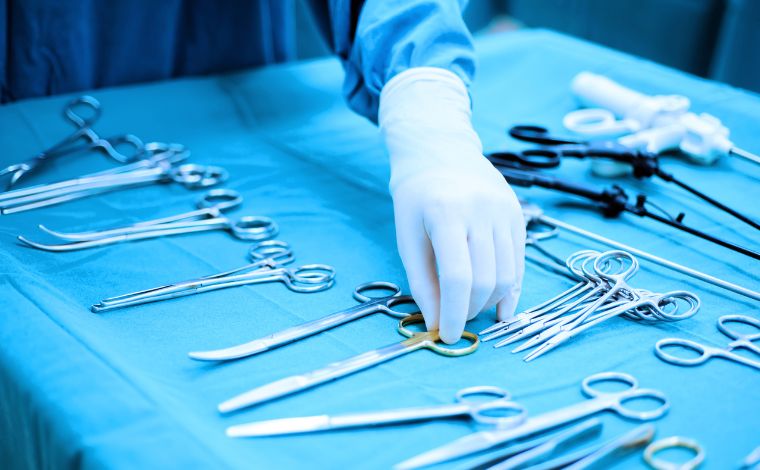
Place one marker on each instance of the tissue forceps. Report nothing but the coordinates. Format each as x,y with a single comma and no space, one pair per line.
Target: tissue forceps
157,169
597,402
207,217
465,405
70,145
289,385
740,341
269,258
368,305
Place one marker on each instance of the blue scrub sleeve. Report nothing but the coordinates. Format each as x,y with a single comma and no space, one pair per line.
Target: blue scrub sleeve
377,39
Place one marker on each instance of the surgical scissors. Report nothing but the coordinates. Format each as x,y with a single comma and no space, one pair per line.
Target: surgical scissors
207,217
368,305
498,411
740,341
68,145
598,401
268,259
159,168
586,457
415,341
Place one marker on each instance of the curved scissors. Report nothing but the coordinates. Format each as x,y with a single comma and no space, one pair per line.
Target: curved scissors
68,145
740,341
497,410
207,217
598,401
415,341
368,305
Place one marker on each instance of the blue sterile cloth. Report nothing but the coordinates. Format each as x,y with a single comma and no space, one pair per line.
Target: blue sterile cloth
117,389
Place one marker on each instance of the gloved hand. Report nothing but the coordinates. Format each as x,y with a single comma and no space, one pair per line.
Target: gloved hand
459,226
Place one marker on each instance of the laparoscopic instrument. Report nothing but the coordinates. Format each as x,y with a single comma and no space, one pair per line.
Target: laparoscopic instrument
612,202
83,139
415,341
535,215
207,217
644,164
368,305
160,167
656,123
603,294
598,402
705,353
483,404
268,265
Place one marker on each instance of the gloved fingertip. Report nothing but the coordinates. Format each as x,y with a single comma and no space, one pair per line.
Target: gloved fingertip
507,306
431,321
449,337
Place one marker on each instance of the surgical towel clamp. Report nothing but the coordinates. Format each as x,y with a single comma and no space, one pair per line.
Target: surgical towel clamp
269,258
207,217
68,145
466,405
289,385
743,341
367,306
598,401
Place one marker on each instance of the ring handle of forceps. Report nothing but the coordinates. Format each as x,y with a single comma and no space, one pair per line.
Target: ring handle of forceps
254,227
501,402
656,310
82,122
275,250
625,271
669,443
540,158
705,352
632,392
221,199
433,342
194,176
310,278
109,146
385,302
743,319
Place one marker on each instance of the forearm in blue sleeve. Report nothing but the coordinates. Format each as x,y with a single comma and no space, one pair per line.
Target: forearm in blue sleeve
377,39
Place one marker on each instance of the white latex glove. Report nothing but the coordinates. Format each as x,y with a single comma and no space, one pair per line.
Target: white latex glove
459,226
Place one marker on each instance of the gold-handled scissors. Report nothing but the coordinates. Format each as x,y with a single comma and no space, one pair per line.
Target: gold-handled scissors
415,340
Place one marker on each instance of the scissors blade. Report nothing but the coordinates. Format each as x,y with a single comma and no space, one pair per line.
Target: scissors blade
278,427
332,371
461,447
285,336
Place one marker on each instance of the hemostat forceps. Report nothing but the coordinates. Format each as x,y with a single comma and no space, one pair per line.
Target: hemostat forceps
160,168
71,143
268,259
207,217
367,306
602,295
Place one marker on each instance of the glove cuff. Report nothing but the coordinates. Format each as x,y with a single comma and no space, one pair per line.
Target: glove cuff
424,116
